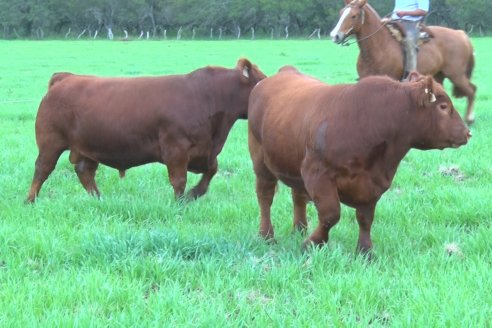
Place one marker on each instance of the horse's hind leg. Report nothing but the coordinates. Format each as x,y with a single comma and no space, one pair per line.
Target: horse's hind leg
86,171
49,152
464,88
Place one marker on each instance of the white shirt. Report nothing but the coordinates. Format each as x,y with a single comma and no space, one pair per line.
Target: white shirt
408,5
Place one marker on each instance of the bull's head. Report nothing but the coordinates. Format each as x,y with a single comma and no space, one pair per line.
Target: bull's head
351,19
441,124
250,72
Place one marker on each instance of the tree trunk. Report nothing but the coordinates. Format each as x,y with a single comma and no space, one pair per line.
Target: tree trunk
110,34
82,33
252,33
178,36
68,32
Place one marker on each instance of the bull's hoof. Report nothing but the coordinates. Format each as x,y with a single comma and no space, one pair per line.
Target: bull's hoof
366,253
300,228
29,201
308,244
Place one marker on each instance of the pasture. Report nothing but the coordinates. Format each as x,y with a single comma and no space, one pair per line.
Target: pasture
138,258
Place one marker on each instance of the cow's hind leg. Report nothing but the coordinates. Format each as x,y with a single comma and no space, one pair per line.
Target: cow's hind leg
201,188
49,153
300,199
86,171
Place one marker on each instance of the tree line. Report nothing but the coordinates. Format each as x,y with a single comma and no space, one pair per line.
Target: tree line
214,19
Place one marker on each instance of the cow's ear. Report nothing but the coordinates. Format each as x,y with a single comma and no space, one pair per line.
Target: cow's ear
244,66
348,1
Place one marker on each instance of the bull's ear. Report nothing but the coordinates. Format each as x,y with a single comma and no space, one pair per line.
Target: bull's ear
348,1
244,66
425,91
413,76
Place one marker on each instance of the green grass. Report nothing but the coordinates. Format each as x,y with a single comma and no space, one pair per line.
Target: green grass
137,258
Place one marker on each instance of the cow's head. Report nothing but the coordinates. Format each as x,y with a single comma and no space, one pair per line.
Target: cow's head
441,125
350,21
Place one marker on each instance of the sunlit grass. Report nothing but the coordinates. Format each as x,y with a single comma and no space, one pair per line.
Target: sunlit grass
137,258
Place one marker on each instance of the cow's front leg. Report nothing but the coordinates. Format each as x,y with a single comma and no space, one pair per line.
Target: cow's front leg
365,217
177,169
323,191
201,188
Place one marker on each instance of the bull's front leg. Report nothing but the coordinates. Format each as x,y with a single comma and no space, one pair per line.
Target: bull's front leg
201,188
365,217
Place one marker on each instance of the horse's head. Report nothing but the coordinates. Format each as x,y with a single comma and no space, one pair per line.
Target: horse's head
350,22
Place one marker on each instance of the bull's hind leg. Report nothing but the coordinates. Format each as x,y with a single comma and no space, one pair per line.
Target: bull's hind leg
86,171
49,152
323,191
464,88
365,217
177,168
300,199
201,188
266,184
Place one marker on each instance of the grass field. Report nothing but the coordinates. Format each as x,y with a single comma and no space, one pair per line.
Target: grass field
137,258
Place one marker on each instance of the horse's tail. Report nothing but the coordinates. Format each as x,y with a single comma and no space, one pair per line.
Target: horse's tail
457,92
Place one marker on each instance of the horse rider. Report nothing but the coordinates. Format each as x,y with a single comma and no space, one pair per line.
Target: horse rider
410,13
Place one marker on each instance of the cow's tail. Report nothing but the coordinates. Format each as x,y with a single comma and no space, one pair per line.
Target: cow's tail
57,77
470,65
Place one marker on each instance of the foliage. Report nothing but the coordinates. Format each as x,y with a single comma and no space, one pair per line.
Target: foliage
235,18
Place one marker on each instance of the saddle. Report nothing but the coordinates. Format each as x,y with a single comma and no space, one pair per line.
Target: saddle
398,32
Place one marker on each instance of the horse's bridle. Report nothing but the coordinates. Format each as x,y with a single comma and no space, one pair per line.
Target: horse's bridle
346,43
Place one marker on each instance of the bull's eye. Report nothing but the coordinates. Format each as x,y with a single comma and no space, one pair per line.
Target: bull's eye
444,107
354,16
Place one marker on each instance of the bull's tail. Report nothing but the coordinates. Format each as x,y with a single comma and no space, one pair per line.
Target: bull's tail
57,77
457,91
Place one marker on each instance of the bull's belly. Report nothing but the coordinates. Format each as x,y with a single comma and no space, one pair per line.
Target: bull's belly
287,173
120,158
360,190
126,160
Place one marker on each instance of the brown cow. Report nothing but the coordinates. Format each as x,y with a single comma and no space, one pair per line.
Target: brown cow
180,120
342,143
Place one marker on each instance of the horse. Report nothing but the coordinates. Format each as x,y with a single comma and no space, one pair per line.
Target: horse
448,53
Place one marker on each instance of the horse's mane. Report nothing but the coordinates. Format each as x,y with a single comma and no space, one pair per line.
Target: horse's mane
373,11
